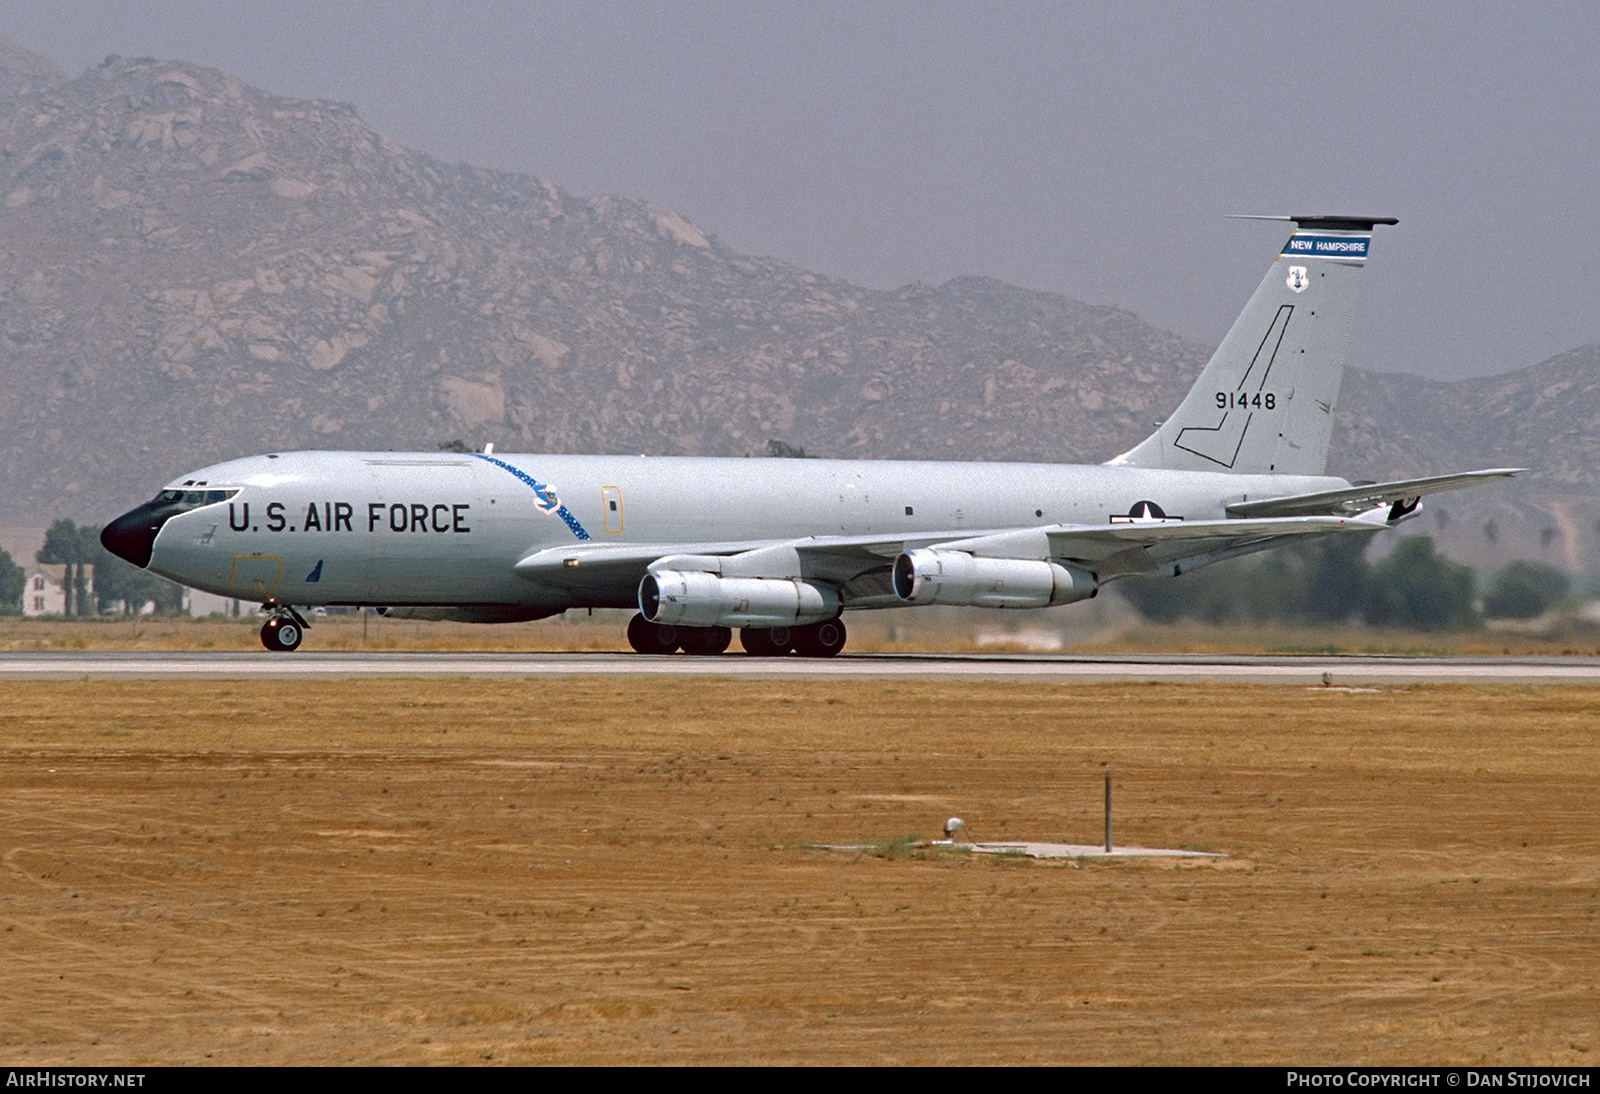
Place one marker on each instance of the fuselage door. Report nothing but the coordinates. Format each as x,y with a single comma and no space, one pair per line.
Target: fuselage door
256,575
611,503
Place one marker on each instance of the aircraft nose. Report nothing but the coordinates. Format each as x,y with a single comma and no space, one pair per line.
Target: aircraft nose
132,536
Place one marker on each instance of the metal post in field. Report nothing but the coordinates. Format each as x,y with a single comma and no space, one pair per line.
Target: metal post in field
1108,812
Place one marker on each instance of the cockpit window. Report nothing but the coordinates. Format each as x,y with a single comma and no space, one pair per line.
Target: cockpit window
184,500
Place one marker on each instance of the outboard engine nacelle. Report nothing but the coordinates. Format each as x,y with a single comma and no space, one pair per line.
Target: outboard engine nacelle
687,598
930,576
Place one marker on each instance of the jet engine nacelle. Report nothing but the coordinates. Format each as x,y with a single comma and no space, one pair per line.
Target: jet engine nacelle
954,577
693,599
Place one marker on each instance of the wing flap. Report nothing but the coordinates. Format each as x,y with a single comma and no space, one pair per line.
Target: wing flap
1088,544
1146,546
1181,546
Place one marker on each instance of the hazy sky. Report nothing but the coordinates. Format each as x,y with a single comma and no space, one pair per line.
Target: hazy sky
1088,149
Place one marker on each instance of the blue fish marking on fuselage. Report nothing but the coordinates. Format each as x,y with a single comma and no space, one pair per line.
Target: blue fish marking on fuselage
548,502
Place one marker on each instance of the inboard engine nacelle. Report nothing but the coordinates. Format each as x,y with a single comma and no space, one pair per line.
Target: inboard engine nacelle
695,599
954,577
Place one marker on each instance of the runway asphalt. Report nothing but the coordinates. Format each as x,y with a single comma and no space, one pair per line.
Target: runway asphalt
1304,670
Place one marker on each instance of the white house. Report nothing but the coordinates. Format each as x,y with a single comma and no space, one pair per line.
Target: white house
44,590
198,604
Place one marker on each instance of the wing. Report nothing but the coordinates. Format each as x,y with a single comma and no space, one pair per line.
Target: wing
860,568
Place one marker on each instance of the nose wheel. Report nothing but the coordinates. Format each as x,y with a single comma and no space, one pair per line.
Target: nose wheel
282,633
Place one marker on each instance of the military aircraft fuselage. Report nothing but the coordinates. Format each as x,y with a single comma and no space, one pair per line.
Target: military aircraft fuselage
448,530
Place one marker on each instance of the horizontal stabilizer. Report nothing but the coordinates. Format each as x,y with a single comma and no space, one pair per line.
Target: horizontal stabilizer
1324,222
1357,499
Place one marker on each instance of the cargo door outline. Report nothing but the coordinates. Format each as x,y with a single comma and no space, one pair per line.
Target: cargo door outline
257,574
1221,443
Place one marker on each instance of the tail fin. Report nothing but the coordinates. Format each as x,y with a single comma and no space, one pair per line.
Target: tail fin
1264,404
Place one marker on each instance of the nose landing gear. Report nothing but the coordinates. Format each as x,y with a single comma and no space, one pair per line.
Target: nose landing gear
284,630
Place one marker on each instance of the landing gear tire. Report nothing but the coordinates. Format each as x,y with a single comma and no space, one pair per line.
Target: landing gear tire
281,635
705,641
284,627
647,637
766,641
823,639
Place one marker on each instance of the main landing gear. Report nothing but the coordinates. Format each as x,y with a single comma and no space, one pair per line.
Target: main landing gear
823,639
647,637
284,630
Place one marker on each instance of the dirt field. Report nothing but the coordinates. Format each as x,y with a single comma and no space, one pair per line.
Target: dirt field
625,871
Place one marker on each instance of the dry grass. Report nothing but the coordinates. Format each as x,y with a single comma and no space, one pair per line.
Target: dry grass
620,870
926,630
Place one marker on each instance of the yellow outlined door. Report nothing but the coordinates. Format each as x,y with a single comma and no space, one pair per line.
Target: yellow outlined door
611,503
257,574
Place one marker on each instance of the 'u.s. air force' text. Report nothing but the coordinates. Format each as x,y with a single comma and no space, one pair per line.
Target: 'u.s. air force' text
339,516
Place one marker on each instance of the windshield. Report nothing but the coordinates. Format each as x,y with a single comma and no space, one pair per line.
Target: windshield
191,499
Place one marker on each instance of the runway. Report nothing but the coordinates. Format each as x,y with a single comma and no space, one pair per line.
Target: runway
1302,670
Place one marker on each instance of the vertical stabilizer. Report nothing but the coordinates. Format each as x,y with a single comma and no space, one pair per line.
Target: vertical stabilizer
1265,402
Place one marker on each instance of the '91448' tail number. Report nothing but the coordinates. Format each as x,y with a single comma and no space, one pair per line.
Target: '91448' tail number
1247,400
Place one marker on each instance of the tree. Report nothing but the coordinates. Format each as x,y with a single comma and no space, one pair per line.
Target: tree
12,583
66,545
119,583
116,582
1524,590
1420,589
1323,581
1338,578
1158,599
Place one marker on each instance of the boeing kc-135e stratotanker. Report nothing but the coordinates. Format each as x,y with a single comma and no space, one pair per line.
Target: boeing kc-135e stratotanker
781,548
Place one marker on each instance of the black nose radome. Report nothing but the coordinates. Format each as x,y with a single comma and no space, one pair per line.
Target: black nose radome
133,535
